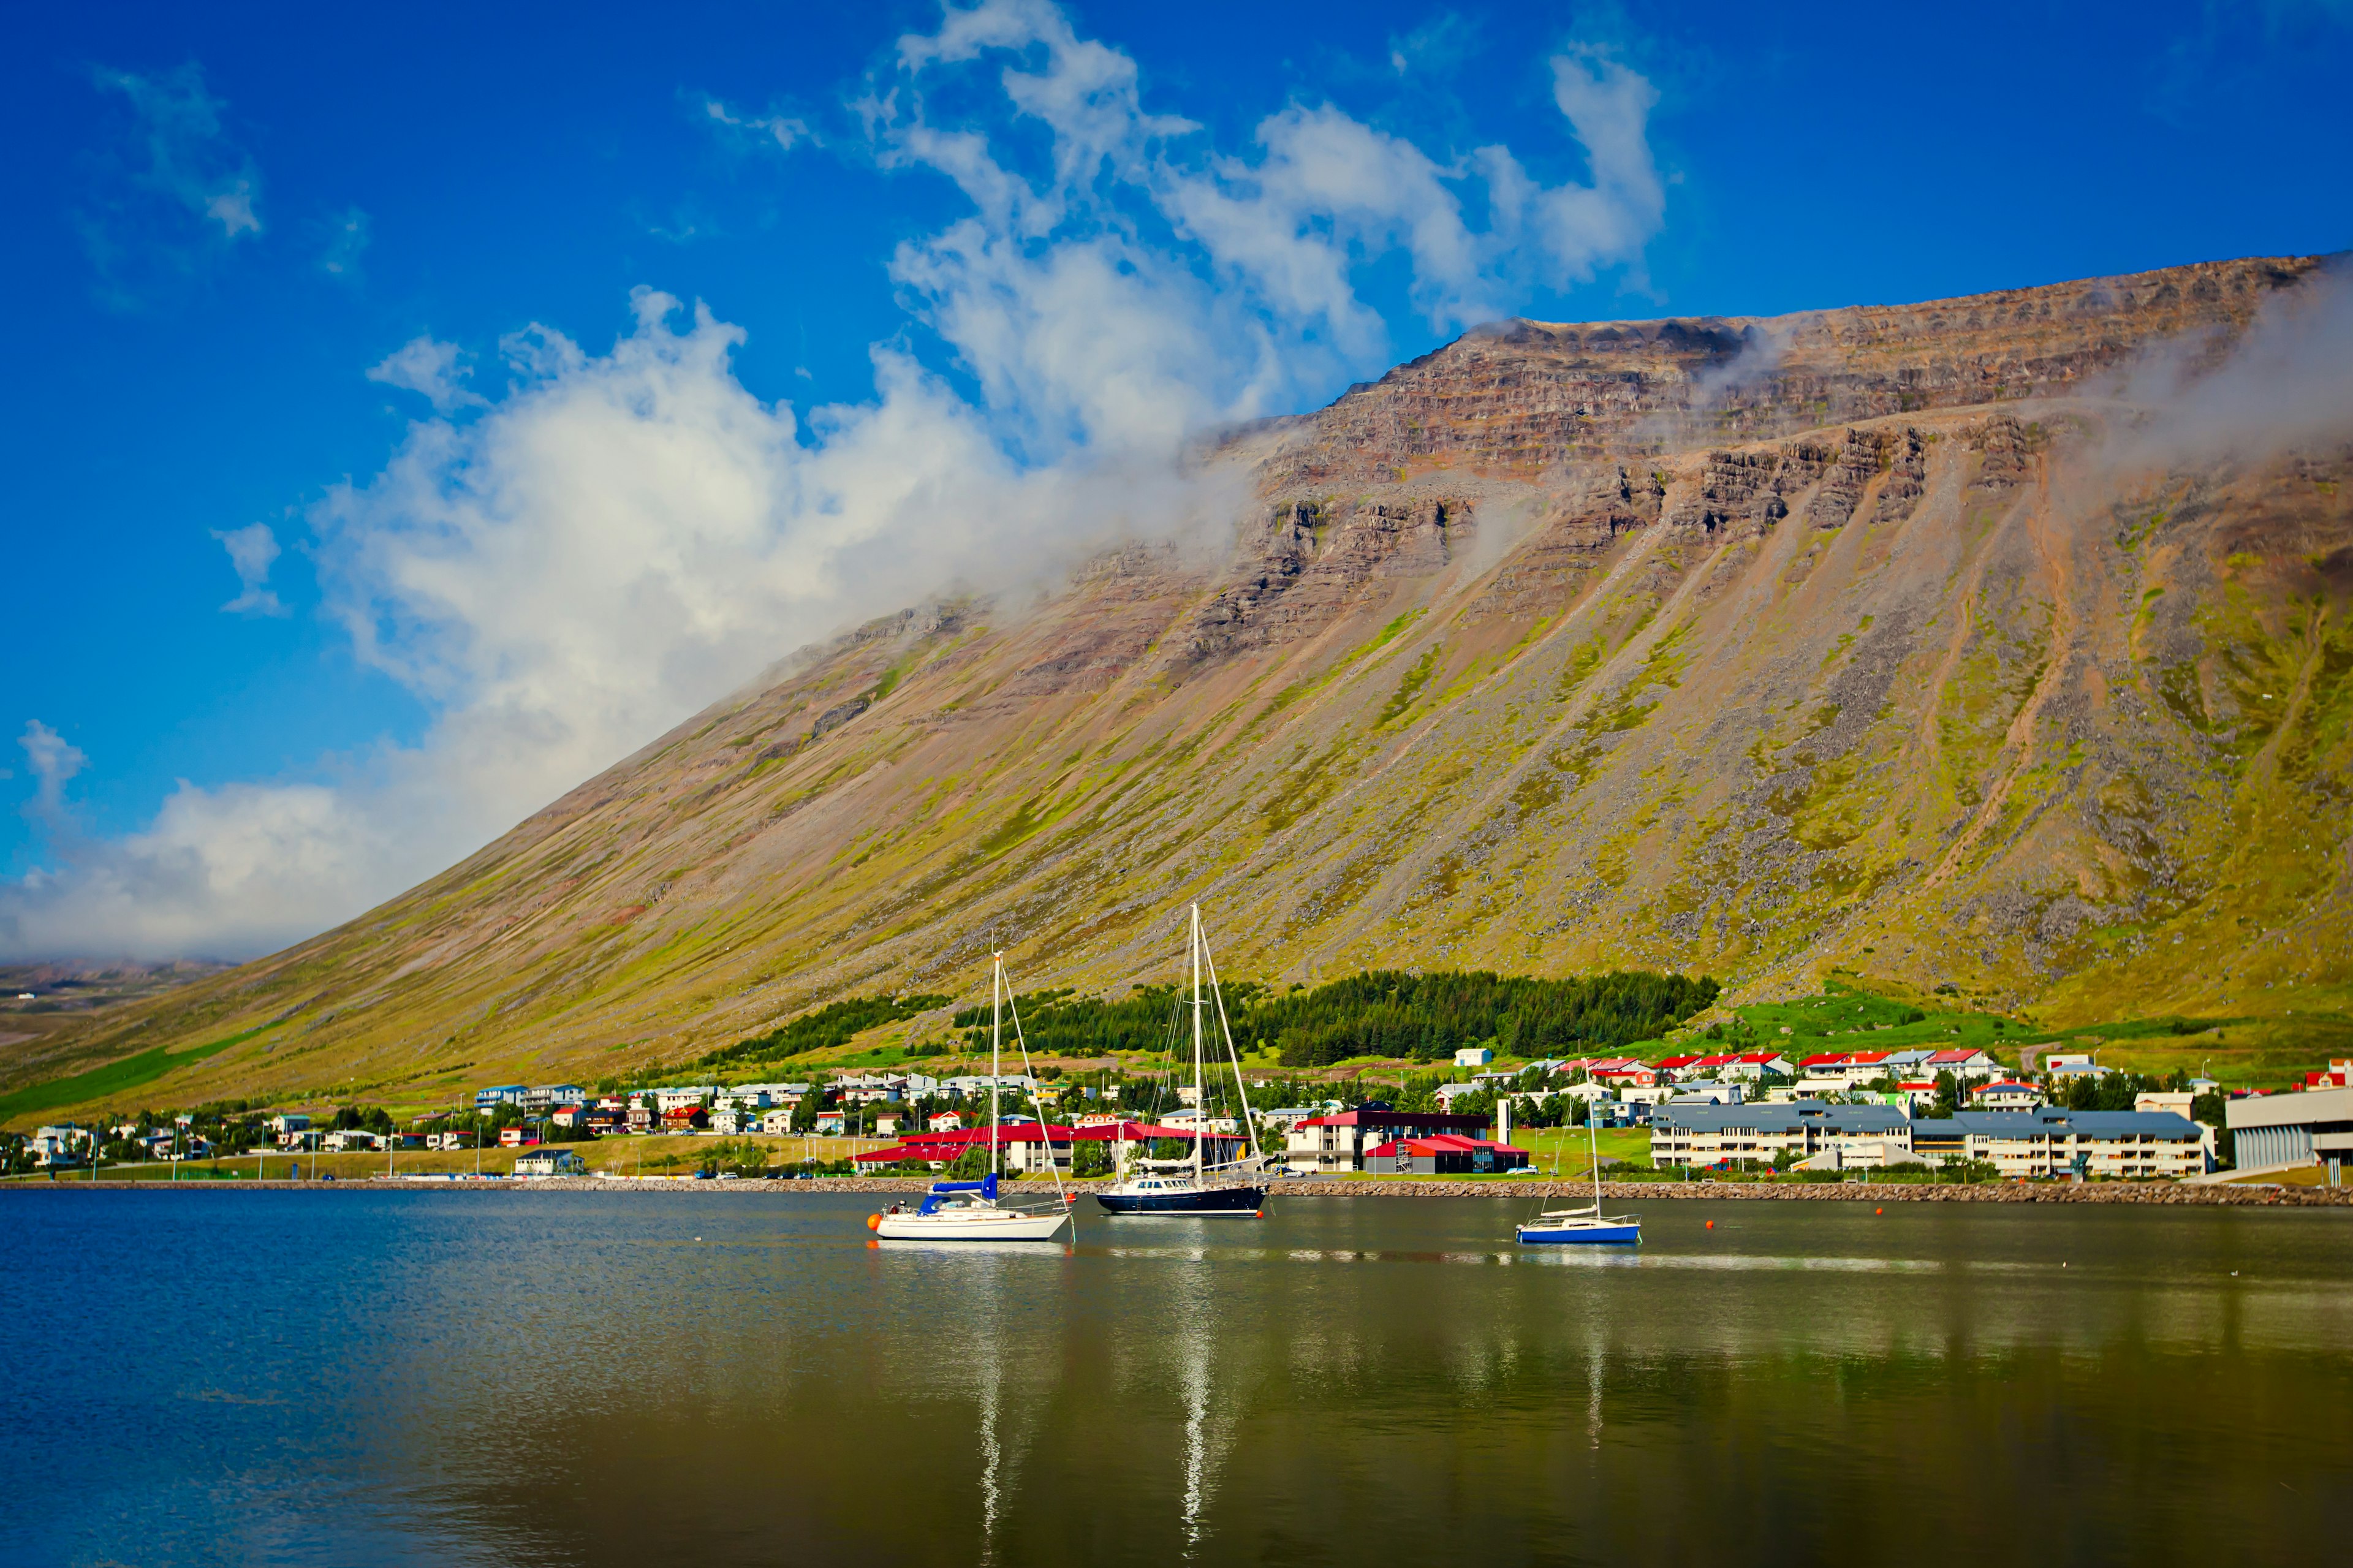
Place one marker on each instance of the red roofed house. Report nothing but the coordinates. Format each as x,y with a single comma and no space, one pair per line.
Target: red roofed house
1679,1065
1337,1142
1962,1063
1624,1071
1442,1154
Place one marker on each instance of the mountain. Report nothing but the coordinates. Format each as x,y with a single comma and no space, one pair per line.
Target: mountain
1896,641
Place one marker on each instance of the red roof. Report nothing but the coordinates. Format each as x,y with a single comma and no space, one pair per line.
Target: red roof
1954,1056
1441,1143
1759,1057
1824,1060
1678,1061
1868,1059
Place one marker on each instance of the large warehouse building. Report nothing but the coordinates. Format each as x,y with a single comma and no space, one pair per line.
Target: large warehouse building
2280,1129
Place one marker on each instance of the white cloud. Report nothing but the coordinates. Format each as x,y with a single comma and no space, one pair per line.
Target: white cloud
251,549
347,240
2287,382
54,760
433,370
781,132
565,569
180,152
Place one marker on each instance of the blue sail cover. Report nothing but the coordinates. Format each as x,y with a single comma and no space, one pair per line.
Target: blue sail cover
985,1187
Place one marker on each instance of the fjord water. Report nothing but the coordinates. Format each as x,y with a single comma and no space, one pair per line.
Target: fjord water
713,1378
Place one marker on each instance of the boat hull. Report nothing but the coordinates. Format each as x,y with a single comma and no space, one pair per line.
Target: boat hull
1210,1202
1579,1234
998,1225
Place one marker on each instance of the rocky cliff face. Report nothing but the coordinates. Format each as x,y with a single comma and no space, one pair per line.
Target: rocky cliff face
1758,647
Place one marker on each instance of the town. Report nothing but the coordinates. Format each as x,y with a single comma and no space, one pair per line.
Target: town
1949,1114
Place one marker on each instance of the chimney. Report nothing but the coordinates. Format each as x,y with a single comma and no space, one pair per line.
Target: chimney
1502,1121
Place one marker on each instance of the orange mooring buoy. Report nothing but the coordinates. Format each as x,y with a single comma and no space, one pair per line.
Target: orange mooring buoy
1711,1225
874,1222
1878,1211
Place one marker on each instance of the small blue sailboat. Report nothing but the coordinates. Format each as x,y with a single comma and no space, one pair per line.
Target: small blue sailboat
1588,1226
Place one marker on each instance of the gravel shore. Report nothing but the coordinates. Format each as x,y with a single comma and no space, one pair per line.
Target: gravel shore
2167,1193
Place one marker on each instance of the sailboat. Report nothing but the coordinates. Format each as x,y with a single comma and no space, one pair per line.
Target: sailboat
1587,1225
1184,1188
972,1211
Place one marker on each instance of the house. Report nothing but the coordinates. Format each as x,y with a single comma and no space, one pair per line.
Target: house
1962,1063
54,1146
1442,1154
344,1140
1473,1057
944,1121
2008,1094
729,1121
1622,1070
544,1098
777,1123
886,1124
1709,1094
517,1138
569,1116
751,1097
1755,1065
829,1123
687,1118
1697,1135
2054,1142
604,1122
669,1099
642,1117
448,1141
2072,1064
501,1094
1336,1143
2339,1075
1448,1093
1678,1067
290,1121
551,1161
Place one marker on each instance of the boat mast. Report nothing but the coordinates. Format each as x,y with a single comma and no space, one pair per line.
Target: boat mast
1200,1108
1593,1142
995,1049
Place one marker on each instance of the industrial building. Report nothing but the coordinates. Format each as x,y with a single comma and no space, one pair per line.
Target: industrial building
2276,1132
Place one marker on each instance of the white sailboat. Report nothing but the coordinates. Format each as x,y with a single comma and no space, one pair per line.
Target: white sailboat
1587,1225
972,1211
1186,1188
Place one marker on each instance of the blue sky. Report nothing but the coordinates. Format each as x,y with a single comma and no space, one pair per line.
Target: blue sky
946,317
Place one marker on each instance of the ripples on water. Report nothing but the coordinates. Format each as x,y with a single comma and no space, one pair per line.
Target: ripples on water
547,1378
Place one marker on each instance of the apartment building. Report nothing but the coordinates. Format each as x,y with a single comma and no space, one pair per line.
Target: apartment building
2054,1142
1696,1135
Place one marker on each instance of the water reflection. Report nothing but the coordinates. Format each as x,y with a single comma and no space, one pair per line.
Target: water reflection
551,1379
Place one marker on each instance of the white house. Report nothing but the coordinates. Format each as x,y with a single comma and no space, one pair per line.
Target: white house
944,1121
778,1122
56,1146
669,1099
549,1159
1473,1057
348,1139
2008,1095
